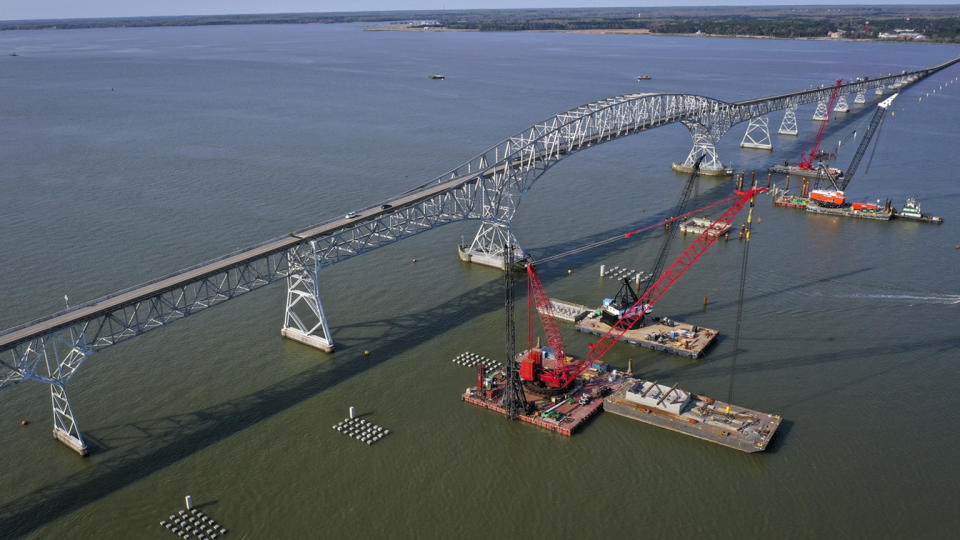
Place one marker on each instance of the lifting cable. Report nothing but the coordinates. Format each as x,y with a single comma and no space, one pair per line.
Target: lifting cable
743,281
876,143
632,233
671,233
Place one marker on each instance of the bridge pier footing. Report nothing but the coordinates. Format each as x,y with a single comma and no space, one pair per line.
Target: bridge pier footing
487,246
304,320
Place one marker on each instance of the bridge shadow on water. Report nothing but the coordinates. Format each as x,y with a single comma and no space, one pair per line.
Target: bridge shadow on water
144,447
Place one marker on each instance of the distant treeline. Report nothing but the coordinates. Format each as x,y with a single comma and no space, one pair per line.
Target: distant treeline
938,23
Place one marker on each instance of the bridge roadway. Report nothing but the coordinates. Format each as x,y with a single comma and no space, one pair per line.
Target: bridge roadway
90,310
93,309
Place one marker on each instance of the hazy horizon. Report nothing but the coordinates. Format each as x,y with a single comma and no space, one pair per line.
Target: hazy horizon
96,9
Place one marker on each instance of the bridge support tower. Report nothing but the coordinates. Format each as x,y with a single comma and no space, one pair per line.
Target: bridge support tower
487,246
789,124
861,98
65,427
821,113
304,319
842,105
705,146
757,135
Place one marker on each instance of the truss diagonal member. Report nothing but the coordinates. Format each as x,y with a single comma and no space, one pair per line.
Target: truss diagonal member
704,145
757,135
304,319
789,124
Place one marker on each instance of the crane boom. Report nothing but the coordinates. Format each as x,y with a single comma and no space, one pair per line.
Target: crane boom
663,284
862,149
545,308
808,161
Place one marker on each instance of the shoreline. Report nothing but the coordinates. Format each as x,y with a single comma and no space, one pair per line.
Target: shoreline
635,32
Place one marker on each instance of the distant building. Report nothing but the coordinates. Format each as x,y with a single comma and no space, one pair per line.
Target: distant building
906,34
836,35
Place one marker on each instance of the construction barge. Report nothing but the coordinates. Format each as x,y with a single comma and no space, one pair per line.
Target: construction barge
660,334
793,170
563,414
699,416
878,212
600,388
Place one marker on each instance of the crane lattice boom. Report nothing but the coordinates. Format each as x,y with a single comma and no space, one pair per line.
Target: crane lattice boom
545,308
807,163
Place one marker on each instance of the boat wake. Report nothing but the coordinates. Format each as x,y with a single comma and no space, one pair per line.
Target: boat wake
913,298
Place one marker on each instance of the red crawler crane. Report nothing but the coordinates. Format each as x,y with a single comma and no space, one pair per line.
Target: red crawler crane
807,162
560,375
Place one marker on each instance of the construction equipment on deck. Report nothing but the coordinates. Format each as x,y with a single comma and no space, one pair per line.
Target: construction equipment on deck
836,197
624,304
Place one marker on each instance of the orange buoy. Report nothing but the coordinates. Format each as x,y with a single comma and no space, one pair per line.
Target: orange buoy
414,259
366,353
24,422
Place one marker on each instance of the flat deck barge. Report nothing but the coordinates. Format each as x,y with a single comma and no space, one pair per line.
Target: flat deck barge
664,335
878,215
793,170
803,203
702,417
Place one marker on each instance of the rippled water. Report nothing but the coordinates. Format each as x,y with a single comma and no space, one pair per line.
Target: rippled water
129,153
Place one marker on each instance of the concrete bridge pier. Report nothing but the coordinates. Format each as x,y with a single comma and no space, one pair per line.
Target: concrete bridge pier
487,246
704,145
304,319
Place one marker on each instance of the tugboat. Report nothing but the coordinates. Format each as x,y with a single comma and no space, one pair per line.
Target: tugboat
911,212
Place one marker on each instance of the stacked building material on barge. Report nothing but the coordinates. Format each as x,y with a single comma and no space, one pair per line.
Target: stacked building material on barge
567,311
696,225
699,416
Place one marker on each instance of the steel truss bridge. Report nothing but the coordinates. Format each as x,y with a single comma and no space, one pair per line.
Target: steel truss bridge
488,188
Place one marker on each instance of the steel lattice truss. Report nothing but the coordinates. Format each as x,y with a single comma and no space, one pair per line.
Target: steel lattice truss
488,187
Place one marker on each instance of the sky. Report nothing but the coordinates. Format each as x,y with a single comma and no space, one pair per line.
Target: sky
69,9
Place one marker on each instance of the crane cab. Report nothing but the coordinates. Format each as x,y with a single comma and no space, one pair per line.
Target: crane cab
827,197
